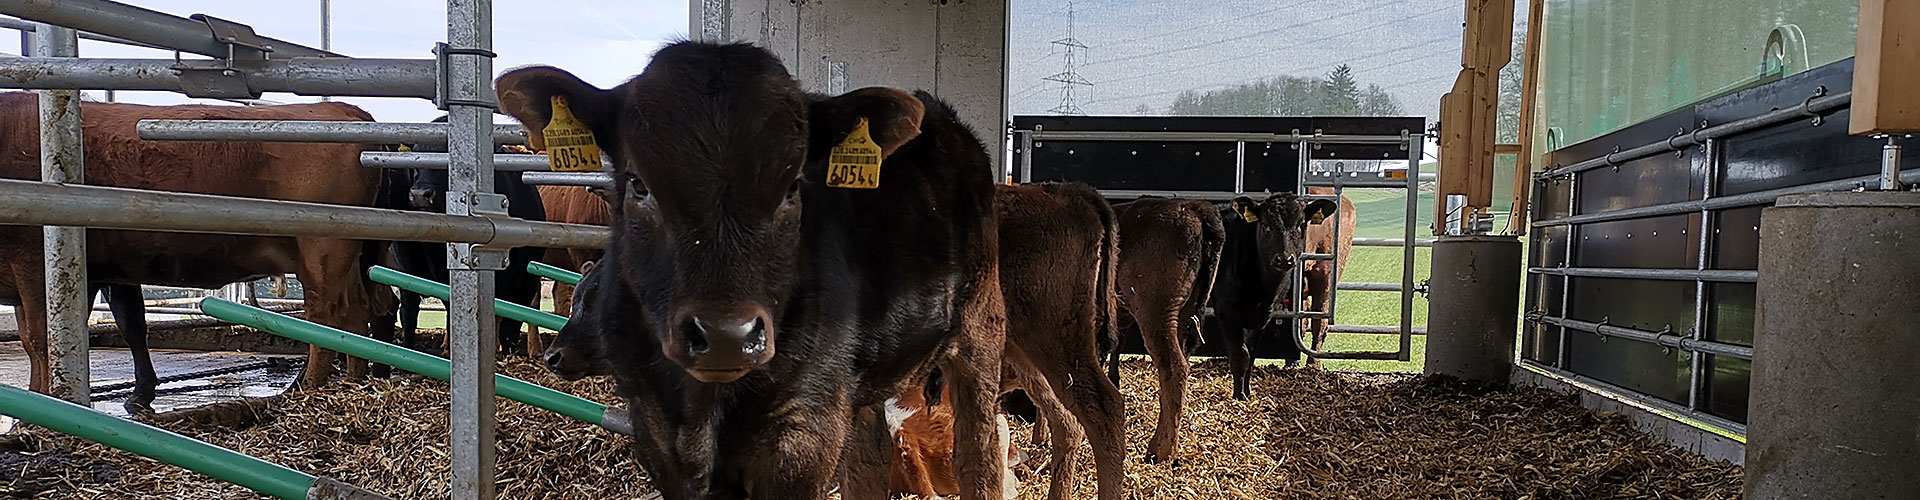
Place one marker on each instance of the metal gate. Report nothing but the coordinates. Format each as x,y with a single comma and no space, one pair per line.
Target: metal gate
1646,242
1219,158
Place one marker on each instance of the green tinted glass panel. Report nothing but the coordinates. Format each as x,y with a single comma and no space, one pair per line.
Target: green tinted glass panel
1611,63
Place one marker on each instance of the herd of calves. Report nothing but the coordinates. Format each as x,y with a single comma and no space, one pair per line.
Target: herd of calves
802,293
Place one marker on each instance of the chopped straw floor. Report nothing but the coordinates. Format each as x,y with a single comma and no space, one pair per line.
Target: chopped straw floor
1307,434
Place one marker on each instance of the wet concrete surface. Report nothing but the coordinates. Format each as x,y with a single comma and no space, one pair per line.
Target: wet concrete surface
257,375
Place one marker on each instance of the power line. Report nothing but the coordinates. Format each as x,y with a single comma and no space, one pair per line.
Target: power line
1277,49
1069,78
1225,21
1237,38
1290,70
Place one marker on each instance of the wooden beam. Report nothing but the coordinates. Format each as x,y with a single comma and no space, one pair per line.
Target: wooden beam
1887,51
1468,113
1506,149
1529,84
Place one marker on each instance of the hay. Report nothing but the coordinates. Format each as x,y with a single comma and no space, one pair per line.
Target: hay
1307,434
1314,434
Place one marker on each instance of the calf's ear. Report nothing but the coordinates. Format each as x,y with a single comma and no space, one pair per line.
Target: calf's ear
1317,210
527,94
893,118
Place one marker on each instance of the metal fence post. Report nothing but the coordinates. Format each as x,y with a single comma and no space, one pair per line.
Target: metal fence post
468,91
68,303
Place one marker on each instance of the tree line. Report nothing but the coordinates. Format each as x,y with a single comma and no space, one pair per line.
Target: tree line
1335,94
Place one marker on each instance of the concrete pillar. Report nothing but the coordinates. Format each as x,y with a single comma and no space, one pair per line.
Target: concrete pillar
1834,409
1474,307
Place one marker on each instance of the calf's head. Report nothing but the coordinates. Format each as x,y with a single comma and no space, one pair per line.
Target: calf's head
716,149
1280,223
575,351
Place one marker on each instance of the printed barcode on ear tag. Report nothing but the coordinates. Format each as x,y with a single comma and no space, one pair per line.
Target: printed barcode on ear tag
855,163
570,146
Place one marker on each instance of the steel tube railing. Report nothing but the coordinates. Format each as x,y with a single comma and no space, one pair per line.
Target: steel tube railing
159,444
33,203
146,26
1251,137
501,162
562,276
1391,242
1700,420
1373,329
312,76
583,179
567,405
1370,287
1815,106
312,131
1663,339
16,24
1724,202
430,288
1712,275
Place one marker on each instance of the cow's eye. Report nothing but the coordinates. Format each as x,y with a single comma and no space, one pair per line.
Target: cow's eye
635,189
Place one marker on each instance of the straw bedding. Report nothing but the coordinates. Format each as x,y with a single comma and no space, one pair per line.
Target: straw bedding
1306,434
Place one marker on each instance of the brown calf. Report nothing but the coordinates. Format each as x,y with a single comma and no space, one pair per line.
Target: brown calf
1169,253
1058,253
1319,273
331,270
572,205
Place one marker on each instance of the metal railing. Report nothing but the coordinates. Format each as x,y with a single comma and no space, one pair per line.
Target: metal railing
312,131
458,79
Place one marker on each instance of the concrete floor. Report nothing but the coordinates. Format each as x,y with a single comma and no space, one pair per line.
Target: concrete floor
114,366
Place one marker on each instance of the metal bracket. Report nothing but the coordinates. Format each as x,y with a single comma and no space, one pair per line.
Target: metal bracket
469,256
213,79
443,93
234,34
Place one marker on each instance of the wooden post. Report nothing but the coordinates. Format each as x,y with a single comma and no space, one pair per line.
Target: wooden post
1529,83
1467,114
1888,49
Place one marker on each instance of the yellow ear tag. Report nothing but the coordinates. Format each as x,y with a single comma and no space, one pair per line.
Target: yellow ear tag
405,148
855,163
1319,216
1246,214
570,146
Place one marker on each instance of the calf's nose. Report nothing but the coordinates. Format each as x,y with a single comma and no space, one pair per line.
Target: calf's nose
420,198
725,341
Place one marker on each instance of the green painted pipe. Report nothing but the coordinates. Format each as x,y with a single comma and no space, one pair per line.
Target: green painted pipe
613,419
159,444
543,270
430,288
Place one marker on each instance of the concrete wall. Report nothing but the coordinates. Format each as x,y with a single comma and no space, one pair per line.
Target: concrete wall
956,49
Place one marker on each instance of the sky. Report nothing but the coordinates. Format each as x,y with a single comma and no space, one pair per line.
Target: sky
607,43
1139,52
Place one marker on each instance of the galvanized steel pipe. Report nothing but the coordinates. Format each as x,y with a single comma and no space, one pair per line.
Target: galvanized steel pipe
64,254
34,203
146,26
159,444
1814,106
1723,202
583,179
1713,275
501,162
312,131
312,76
16,24
1664,339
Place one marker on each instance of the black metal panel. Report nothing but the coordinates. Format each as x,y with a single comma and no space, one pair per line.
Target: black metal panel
1549,248
1642,367
1647,181
1651,305
1550,199
1727,380
1198,166
1669,242
1730,313
1795,153
1736,239
1173,166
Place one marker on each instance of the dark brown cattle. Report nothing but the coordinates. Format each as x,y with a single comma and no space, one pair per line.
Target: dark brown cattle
572,205
1169,253
1264,241
331,270
1059,249
729,246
